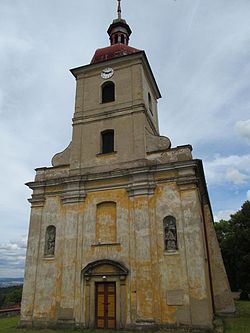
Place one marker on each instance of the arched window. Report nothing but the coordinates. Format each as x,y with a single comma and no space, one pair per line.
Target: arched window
122,39
150,103
170,233
50,240
106,222
107,141
108,92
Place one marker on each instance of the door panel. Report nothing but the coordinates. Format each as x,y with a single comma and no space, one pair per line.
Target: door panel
100,312
105,305
111,323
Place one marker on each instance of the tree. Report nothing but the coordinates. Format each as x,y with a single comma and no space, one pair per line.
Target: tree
14,297
234,239
10,296
2,300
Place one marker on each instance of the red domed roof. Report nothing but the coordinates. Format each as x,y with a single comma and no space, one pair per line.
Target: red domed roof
112,51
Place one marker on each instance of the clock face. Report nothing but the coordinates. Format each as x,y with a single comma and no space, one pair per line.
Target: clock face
107,73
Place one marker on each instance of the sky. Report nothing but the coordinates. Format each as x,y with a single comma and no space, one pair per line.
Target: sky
199,51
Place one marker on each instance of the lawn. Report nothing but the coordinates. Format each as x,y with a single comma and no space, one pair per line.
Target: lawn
240,323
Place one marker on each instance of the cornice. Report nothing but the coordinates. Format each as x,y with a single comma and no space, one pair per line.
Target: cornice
116,112
74,188
138,55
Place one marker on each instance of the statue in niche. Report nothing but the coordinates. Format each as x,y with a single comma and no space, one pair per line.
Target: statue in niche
170,234
50,241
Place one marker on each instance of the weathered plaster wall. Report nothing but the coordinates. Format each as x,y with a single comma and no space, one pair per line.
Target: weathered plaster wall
223,300
183,272
128,81
129,138
29,288
147,88
165,288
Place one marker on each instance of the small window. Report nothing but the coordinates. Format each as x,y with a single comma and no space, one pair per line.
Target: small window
150,103
122,39
107,141
170,233
50,240
108,92
116,39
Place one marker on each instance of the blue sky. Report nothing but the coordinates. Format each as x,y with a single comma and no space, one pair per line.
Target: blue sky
199,51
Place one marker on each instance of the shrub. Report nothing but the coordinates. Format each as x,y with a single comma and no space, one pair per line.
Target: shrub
244,296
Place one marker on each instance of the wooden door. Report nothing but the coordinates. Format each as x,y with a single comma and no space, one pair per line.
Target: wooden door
105,299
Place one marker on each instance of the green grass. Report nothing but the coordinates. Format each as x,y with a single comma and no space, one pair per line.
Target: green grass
8,325
240,323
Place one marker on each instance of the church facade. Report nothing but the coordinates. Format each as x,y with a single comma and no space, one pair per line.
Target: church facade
121,229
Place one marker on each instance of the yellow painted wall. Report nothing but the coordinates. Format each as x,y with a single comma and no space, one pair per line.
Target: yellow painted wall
110,224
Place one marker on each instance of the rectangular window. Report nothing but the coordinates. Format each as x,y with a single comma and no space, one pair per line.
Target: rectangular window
107,141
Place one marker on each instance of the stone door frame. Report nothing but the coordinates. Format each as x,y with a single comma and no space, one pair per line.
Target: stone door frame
92,274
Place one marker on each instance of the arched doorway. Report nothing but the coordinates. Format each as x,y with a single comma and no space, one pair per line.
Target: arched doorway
104,290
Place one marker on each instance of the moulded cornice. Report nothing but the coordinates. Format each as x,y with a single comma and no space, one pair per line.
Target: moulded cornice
136,180
138,55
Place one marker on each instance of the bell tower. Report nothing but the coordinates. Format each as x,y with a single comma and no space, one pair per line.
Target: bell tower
116,117
119,31
121,229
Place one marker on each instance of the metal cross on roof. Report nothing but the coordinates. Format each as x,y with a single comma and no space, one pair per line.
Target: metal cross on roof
119,11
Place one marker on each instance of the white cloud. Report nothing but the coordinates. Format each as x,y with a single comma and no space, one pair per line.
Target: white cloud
14,245
235,176
12,258
223,215
243,129
233,169
13,44
248,195
206,84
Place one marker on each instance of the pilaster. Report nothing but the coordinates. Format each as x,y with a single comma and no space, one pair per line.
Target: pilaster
200,305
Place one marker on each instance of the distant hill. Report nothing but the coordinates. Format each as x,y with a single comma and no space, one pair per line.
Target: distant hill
8,282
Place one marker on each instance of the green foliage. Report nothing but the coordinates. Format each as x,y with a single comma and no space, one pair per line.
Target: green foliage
244,296
234,239
10,296
2,300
